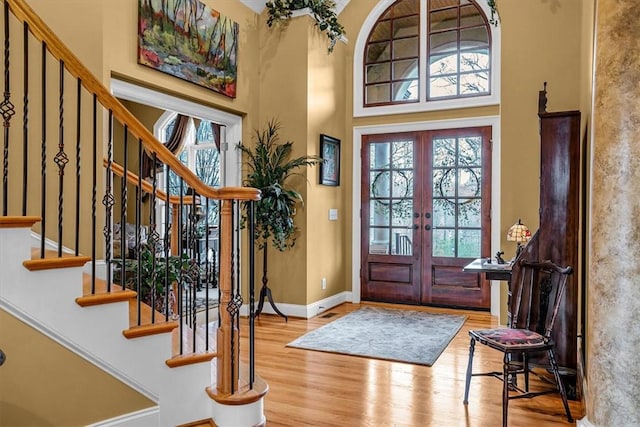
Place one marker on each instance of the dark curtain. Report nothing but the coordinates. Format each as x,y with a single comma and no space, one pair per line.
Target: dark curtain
216,134
173,144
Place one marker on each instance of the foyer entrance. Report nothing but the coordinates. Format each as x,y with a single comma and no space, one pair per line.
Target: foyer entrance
425,213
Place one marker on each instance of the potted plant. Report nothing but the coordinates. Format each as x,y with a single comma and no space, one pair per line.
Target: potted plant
323,11
153,272
270,167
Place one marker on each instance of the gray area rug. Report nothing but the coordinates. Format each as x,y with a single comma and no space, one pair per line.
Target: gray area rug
381,333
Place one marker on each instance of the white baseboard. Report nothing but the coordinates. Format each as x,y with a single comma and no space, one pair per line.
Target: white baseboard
143,418
304,311
584,422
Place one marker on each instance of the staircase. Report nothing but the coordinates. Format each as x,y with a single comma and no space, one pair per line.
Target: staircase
57,257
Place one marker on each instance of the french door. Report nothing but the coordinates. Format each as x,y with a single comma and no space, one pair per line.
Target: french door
425,214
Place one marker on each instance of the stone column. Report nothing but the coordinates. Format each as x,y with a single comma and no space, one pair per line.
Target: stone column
613,308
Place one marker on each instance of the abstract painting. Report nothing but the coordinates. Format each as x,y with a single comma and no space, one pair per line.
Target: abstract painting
189,40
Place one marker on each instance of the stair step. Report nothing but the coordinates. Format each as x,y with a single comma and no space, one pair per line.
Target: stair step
152,329
244,395
52,260
202,423
18,221
189,359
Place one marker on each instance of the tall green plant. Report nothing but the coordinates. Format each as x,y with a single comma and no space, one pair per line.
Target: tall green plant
270,166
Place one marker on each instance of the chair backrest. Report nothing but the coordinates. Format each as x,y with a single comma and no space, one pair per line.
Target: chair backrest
538,295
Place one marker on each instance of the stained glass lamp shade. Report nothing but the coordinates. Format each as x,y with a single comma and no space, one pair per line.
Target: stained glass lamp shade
520,234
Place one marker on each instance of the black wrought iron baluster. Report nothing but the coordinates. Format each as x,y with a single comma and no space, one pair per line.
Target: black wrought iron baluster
207,277
8,110
108,201
194,267
94,194
25,118
138,245
235,261
43,159
252,296
235,301
171,303
61,159
124,196
180,295
78,158
153,237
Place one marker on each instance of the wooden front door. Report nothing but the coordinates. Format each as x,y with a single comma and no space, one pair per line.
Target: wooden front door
425,214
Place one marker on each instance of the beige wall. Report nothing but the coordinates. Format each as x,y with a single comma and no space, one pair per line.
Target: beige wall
286,74
44,384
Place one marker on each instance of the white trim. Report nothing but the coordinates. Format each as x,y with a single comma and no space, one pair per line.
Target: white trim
358,105
304,311
360,131
584,422
24,317
232,122
144,417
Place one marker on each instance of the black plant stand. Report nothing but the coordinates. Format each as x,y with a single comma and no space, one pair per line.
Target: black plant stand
265,292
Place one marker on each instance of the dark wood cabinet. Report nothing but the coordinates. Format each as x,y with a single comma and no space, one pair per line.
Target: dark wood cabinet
558,235
558,238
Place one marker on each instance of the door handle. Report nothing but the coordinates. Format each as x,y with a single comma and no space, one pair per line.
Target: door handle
416,226
427,215
427,227
416,215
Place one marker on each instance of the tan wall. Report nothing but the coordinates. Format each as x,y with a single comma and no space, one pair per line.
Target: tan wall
541,41
287,75
326,250
120,58
44,384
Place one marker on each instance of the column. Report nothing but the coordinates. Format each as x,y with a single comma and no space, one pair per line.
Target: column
613,307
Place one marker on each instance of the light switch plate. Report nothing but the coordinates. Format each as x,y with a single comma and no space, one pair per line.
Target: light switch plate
333,214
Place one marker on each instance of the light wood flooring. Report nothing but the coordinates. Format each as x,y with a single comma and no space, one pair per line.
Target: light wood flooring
310,388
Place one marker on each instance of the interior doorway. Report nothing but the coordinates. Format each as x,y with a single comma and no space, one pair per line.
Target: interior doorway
425,213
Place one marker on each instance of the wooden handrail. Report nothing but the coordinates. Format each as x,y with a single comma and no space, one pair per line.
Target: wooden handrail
132,178
43,33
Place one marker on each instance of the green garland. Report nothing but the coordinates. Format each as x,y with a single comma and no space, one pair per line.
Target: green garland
495,16
324,12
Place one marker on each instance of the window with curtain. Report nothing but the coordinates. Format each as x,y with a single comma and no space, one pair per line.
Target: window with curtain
456,62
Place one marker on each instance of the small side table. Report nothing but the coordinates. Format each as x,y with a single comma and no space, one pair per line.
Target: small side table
493,271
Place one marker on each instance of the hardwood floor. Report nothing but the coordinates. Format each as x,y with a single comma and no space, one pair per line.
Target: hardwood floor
310,388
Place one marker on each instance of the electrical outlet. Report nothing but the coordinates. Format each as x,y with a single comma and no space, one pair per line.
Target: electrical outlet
324,283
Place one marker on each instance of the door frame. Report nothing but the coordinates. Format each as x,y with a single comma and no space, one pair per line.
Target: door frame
233,123
359,131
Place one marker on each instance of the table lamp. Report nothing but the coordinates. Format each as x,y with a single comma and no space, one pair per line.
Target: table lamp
520,234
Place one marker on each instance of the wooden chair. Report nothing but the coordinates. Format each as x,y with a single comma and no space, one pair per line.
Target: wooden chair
536,305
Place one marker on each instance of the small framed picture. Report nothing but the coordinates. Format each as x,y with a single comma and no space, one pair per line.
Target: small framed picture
330,166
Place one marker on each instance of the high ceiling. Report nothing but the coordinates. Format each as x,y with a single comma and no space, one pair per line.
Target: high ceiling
258,5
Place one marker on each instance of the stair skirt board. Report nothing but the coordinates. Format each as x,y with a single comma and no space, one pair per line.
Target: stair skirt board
80,351
144,417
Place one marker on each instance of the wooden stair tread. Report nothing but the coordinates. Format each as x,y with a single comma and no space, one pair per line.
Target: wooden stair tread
18,221
201,423
150,329
52,260
244,395
201,353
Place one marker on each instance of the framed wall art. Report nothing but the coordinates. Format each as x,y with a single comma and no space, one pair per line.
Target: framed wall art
189,40
330,166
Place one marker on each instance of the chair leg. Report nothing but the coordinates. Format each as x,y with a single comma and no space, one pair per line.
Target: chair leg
556,374
467,383
525,367
505,388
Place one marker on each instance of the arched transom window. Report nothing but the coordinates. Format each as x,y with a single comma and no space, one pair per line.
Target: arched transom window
422,51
